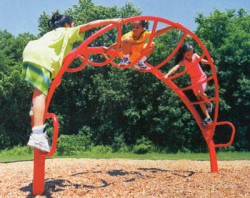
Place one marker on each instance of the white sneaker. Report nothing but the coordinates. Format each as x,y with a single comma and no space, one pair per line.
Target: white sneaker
39,141
124,61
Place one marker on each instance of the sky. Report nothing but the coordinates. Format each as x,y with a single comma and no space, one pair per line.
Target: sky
19,16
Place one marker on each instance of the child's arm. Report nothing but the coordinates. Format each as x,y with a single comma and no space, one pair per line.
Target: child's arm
163,30
173,70
203,61
113,46
97,23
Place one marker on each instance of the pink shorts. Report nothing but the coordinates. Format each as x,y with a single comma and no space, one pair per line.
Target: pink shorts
199,88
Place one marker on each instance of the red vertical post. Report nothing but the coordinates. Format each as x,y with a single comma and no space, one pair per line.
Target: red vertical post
213,157
39,159
38,169
38,172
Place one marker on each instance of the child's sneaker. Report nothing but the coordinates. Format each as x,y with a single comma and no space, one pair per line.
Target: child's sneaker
209,107
39,141
206,121
140,65
124,61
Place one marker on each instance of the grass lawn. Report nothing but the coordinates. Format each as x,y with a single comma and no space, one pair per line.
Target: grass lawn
25,153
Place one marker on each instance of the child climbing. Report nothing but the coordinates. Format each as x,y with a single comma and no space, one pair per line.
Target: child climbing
42,59
135,41
187,58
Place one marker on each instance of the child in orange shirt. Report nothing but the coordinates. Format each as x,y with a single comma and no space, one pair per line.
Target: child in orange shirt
135,41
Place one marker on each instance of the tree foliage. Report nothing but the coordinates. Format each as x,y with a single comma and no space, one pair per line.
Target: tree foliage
114,107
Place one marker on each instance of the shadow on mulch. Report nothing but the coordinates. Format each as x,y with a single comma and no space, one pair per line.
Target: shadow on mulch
183,174
59,185
179,173
50,187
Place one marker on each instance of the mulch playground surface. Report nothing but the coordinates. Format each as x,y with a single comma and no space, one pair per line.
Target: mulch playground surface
128,178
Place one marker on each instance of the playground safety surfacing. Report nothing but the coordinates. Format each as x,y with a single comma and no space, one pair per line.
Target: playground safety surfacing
128,178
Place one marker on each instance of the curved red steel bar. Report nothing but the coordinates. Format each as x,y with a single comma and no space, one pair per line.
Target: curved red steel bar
82,53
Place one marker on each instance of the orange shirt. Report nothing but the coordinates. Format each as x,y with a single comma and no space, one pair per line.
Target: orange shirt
137,45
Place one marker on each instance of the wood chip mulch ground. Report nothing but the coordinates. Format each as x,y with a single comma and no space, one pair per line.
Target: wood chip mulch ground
128,178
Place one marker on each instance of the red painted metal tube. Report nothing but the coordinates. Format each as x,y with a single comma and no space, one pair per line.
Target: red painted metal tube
82,53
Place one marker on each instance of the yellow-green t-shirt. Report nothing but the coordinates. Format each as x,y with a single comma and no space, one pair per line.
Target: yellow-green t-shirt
50,50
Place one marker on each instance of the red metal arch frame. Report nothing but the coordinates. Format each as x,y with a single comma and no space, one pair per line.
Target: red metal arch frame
82,53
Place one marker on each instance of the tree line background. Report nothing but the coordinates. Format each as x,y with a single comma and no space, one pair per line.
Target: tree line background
123,107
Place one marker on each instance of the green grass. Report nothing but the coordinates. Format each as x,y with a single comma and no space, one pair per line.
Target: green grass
18,153
147,156
25,153
233,156
162,156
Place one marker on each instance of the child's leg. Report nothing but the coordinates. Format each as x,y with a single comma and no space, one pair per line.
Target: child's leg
199,91
141,64
39,107
208,105
204,109
150,49
148,52
203,96
126,46
38,138
126,50
203,106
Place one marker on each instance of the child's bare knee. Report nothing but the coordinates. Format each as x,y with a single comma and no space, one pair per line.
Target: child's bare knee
126,40
152,46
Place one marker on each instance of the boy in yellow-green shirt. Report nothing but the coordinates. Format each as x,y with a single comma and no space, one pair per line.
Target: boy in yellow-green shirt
42,60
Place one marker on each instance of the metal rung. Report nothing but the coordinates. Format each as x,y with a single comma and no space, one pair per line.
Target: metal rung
232,135
54,119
